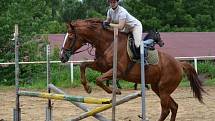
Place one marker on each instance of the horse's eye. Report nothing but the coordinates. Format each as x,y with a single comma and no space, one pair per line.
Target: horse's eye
70,36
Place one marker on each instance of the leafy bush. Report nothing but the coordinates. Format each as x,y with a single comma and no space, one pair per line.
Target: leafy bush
207,67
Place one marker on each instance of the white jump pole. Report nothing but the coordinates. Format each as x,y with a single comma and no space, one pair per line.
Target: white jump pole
49,106
143,82
17,110
114,73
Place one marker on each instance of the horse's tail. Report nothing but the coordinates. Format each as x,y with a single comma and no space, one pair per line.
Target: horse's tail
195,83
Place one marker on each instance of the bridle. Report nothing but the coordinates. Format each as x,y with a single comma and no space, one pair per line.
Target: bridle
67,51
70,51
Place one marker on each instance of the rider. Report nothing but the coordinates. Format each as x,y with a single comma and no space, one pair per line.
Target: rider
118,17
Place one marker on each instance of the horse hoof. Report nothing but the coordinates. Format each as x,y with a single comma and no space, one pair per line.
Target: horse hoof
89,90
118,92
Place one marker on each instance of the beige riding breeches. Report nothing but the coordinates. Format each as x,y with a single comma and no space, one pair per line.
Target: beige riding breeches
137,33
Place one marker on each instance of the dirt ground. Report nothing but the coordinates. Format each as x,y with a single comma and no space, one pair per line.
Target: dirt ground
33,109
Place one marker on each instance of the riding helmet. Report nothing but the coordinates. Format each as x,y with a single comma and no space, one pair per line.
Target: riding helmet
112,0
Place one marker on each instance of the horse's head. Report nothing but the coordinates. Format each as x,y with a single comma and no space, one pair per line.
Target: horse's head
155,35
81,32
71,43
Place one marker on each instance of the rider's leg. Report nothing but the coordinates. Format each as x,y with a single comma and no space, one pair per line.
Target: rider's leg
137,34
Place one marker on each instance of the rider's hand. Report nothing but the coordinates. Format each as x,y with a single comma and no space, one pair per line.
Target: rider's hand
105,25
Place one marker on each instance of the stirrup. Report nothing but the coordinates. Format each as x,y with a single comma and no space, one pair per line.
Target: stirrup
146,62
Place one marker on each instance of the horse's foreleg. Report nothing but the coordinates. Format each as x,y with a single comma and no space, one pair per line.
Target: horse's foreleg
106,76
117,84
84,81
135,86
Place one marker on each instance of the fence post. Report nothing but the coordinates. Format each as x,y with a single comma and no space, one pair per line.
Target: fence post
195,64
72,73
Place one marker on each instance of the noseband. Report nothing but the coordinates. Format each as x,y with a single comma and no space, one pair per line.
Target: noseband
69,51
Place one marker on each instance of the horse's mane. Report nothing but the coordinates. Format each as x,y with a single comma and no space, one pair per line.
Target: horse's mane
94,20
94,24
91,23
90,20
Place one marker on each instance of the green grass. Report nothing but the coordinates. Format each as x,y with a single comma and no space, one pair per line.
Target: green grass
184,83
210,82
207,67
5,88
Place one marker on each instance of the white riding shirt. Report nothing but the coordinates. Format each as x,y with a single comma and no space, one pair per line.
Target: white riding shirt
121,13
131,23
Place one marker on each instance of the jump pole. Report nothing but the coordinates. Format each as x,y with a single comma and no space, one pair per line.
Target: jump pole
49,106
143,82
115,44
82,99
105,107
80,105
17,109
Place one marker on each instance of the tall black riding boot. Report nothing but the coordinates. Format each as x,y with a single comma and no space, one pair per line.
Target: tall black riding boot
137,53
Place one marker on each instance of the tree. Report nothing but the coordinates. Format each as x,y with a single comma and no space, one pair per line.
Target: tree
72,10
31,16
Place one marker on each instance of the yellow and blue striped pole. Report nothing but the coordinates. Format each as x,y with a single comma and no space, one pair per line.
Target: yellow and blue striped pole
105,107
81,99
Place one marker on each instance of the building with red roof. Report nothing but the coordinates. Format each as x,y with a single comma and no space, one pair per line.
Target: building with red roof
177,44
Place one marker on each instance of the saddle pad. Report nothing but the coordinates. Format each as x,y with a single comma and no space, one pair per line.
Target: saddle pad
152,58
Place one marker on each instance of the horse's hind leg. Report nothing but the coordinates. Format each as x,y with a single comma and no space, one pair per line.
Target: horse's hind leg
174,108
106,76
165,106
165,100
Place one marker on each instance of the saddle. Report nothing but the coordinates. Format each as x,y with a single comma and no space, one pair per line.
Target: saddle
150,53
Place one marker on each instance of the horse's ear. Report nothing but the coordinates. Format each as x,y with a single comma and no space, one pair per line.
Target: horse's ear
156,30
69,25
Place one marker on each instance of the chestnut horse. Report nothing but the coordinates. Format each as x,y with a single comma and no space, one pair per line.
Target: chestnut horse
164,77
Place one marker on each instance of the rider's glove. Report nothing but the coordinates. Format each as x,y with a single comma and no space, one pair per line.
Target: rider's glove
105,24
